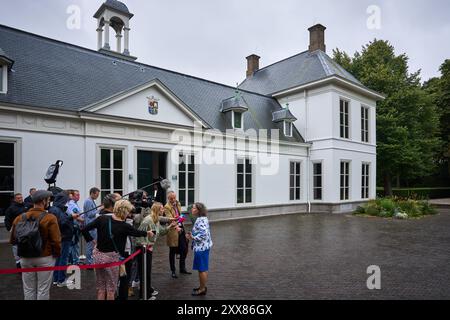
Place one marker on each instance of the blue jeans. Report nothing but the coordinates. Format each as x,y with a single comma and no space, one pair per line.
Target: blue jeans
90,247
60,276
74,254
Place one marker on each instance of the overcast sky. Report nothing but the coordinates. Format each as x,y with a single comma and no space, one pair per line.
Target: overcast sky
211,38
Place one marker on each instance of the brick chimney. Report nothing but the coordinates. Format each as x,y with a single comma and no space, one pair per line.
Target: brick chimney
317,38
252,64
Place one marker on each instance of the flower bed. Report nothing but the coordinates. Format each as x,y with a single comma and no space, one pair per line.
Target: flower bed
395,207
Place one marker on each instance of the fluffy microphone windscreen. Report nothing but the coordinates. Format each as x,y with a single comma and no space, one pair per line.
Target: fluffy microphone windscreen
165,184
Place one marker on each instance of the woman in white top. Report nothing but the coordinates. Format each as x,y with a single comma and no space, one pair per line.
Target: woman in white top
201,245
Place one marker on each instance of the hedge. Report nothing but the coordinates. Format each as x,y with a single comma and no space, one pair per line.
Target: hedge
420,193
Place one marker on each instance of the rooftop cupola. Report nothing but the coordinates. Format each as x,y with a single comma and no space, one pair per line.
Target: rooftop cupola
114,14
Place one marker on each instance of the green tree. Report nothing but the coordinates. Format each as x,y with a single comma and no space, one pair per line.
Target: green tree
439,90
407,121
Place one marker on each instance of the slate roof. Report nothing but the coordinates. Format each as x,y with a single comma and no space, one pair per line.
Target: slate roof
56,75
294,71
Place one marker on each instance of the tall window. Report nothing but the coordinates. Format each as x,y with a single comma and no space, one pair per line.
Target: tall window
345,180
7,165
287,128
244,181
1,79
317,181
344,119
237,120
186,182
365,181
294,181
111,171
364,124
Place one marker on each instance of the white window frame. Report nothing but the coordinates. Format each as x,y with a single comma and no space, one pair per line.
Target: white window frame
365,124
313,175
348,124
111,169
4,76
365,180
252,188
242,120
287,124
345,186
17,164
295,186
195,189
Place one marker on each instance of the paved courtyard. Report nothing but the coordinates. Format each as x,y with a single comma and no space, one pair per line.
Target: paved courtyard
315,256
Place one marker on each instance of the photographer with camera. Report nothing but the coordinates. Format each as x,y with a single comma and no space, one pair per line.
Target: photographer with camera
66,227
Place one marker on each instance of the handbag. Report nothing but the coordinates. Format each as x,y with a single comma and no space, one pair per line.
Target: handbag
122,269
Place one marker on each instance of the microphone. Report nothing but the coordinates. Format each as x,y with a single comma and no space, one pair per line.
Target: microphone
165,184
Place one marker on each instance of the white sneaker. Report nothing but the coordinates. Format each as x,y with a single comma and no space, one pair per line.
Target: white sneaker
55,283
155,293
135,284
65,283
152,298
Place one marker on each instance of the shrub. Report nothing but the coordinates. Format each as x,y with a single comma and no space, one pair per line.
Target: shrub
396,207
373,210
360,210
387,206
427,208
418,193
409,206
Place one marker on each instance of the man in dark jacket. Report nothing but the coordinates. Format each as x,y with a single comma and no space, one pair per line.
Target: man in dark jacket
15,209
28,201
65,222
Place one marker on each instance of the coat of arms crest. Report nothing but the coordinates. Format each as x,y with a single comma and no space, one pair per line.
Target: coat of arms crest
152,105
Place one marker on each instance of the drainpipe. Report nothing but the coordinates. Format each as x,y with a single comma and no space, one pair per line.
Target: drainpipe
308,154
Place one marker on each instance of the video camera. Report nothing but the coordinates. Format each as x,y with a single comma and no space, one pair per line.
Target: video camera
139,200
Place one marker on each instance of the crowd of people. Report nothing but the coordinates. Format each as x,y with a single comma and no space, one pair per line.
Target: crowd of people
113,231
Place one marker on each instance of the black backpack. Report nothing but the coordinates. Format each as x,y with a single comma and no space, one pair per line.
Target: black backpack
28,237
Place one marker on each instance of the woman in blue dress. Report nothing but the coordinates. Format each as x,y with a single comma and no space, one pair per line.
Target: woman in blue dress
201,245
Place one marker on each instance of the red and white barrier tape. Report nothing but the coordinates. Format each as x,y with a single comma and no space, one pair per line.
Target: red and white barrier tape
60,268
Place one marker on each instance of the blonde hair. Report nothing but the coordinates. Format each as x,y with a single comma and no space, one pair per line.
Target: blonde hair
122,208
155,211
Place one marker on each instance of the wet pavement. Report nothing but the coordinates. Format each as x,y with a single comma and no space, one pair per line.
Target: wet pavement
317,256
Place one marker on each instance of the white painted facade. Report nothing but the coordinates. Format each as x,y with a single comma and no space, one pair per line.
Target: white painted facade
43,138
318,114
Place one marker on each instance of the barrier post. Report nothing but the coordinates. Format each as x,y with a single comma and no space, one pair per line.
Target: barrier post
144,284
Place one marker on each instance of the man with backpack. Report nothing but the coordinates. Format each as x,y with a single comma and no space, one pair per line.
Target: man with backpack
38,239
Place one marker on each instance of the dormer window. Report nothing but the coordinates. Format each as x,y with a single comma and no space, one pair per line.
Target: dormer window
2,80
5,65
288,128
234,109
237,120
285,119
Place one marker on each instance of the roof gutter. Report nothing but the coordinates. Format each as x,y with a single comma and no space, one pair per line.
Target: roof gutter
334,78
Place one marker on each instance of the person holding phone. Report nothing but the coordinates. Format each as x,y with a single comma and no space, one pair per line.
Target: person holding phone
152,218
201,244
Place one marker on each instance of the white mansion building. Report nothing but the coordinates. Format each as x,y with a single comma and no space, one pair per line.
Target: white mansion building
112,121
